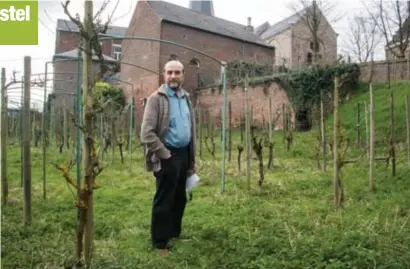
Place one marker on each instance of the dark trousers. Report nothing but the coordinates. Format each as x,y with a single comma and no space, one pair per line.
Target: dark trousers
170,198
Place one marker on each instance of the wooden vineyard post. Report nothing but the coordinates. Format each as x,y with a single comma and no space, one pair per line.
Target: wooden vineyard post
270,119
358,125
26,142
87,141
230,131
408,126
336,144
3,144
323,131
371,140
200,130
366,112
247,135
392,142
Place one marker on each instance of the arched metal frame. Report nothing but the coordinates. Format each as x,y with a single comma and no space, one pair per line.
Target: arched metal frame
79,101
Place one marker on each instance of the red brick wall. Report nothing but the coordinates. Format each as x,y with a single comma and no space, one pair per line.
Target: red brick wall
222,48
211,101
67,41
144,23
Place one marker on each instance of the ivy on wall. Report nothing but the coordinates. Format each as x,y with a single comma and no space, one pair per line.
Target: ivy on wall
302,86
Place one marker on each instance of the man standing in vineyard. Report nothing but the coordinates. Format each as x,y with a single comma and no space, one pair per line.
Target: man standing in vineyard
168,134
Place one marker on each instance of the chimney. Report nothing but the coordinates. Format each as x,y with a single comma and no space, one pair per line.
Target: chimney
204,6
249,27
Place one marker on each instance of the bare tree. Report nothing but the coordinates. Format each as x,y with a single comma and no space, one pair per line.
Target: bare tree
90,28
94,46
317,16
393,21
363,38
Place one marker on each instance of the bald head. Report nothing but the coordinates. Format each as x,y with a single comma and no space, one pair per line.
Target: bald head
174,74
173,64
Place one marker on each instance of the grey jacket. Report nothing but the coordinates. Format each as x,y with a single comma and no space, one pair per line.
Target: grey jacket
155,123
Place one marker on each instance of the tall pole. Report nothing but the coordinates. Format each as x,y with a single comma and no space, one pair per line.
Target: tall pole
130,130
79,108
26,142
223,71
371,142
43,132
247,134
3,145
323,131
408,126
87,127
336,143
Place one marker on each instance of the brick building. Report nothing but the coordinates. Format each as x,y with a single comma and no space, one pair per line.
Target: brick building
195,27
293,39
65,73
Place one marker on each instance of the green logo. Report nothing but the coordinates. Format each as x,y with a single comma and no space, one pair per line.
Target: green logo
19,22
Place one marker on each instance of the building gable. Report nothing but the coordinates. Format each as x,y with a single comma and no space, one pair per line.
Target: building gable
287,23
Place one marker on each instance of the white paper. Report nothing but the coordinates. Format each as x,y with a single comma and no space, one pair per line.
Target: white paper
192,181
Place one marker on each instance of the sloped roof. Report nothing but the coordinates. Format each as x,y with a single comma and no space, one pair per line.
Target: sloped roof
73,54
261,28
283,25
188,17
69,26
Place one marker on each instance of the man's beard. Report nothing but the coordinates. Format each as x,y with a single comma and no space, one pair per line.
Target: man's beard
172,84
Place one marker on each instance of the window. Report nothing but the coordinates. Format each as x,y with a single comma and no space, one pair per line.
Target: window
309,58
173,57
194,62
116,52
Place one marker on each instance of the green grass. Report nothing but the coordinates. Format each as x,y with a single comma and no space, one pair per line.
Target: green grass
290,222
348,112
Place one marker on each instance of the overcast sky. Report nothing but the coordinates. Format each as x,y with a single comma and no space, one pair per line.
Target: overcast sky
11,57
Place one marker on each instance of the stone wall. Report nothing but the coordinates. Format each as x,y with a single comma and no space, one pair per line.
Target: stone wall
211,100
398,70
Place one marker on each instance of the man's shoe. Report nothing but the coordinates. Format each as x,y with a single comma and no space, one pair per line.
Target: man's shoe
165,250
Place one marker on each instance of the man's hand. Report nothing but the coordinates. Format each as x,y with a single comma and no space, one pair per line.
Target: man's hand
190,172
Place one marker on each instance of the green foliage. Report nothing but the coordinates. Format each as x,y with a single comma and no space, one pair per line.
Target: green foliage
107,96
303,86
